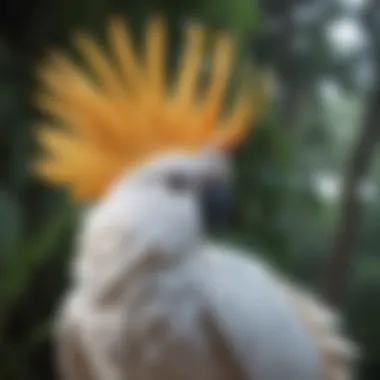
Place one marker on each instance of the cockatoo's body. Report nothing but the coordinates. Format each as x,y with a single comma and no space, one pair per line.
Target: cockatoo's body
152,299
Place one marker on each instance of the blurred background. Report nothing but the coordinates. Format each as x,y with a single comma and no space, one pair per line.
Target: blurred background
308,178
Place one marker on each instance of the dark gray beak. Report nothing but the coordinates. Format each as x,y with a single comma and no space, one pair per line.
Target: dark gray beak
218,206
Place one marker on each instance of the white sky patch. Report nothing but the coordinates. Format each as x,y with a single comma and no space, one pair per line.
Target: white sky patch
329,186
346,36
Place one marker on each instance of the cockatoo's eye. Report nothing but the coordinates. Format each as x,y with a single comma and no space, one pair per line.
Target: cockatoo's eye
178,182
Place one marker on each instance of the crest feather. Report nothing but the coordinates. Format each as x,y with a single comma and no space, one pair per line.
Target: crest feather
125,111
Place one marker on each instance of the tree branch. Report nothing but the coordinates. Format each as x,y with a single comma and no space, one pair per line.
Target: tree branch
347,233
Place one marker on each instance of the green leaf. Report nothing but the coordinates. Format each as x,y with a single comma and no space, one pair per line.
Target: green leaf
15,282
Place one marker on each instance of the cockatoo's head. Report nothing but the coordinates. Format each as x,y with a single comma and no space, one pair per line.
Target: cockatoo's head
128,121
171,199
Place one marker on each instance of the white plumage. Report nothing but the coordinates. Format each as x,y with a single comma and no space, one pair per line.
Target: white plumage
153,299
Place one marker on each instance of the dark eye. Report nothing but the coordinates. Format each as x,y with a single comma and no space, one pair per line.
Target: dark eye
178,182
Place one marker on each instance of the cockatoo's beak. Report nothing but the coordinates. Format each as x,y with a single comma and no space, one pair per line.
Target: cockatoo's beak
218,205
218,200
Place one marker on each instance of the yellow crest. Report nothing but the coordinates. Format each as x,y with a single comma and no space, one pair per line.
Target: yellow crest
129,112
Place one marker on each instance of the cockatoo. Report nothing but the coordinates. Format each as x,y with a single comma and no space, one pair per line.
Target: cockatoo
151,296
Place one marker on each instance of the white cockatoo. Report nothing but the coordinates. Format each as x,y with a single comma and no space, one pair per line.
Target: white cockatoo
151,297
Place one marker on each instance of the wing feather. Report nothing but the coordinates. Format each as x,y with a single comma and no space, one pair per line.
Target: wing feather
253,316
